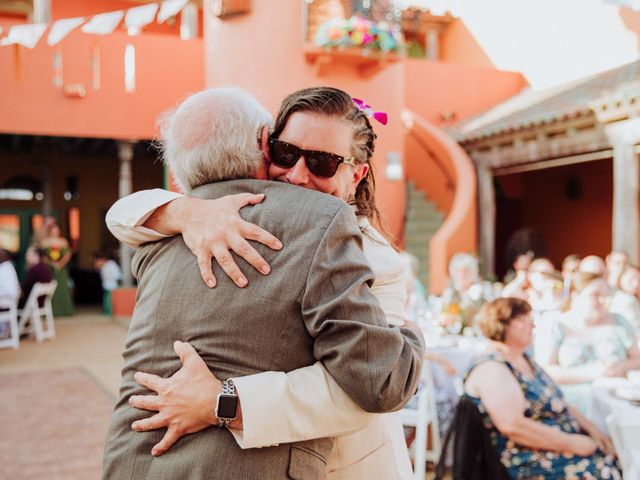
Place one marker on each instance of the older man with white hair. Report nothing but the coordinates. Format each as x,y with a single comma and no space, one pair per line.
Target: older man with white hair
315,306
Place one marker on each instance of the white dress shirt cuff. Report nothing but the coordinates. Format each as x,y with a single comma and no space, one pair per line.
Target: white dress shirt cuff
126,217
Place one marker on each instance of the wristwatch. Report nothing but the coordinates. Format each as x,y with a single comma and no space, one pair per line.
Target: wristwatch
227,404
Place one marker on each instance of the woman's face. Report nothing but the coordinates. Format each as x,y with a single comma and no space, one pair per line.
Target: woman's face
55,231
313,131
591,298
520,331
464,277
31,256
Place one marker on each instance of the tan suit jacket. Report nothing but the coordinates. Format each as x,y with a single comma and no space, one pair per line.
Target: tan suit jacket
316,305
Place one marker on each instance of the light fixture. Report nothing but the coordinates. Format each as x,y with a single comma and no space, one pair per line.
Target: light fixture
394,169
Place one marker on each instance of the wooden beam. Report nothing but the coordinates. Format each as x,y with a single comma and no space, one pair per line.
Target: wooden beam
556,162
541,148
487,220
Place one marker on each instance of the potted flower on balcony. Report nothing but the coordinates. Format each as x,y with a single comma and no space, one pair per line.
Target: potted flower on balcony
358,32
365,44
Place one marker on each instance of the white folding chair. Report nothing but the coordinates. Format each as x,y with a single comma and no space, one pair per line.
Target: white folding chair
626,440
422,418
11,316
33,313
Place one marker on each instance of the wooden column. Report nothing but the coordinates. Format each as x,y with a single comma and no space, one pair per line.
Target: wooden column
125,187
624,136
487,220
626,221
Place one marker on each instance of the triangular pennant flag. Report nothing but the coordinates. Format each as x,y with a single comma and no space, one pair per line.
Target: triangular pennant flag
139,17
103,24
170,8
27,35
62,28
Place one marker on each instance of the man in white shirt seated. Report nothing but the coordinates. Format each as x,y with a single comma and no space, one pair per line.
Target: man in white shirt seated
9,288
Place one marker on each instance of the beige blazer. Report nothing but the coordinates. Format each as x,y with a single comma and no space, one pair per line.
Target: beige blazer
324,312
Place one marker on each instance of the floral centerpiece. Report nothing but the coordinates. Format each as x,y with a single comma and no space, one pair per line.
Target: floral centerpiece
359,32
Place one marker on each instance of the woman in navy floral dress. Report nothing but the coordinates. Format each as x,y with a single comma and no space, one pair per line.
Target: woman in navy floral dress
536,434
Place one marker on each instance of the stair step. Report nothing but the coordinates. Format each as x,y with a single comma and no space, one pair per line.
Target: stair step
423,220
425,213
423,227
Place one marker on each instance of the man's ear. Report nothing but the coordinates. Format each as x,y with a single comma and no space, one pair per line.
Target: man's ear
264,143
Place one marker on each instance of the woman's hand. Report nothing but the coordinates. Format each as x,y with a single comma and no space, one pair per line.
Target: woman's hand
603,442
211,228
582,445
618,369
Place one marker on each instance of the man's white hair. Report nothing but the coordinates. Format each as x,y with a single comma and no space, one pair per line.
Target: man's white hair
466,260
213,136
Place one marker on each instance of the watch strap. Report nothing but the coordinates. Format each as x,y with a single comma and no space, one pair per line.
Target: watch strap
228,388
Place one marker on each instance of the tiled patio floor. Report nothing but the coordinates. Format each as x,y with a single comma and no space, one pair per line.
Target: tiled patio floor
56,400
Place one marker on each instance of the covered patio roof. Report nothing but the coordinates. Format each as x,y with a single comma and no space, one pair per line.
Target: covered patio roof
531,109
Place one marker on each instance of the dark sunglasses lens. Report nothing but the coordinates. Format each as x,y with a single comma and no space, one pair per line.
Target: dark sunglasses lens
283,154
321,165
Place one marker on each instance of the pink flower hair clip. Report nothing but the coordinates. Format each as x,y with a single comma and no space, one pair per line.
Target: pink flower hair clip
381,117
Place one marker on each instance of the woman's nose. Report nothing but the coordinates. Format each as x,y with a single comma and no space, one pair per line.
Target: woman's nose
299,173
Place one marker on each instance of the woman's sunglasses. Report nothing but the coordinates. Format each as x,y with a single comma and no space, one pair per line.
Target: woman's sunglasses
321,164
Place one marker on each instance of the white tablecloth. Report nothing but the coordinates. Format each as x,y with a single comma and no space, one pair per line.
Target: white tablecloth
460,352
603,403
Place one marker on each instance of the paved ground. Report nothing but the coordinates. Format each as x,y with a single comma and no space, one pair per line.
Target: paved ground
56,400
89,340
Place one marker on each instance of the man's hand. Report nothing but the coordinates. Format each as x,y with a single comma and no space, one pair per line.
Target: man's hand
211,228
185,402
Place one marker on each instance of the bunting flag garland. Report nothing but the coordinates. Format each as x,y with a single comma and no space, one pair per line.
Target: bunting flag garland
62,28
170,8
26,35
139,17
135,19
103,24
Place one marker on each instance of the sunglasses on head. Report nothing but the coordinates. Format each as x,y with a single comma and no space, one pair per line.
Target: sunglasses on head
320,164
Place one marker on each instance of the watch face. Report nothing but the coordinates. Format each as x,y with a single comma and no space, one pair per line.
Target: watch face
227,406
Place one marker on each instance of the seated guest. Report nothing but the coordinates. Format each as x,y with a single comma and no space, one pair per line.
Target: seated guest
9,288
541,286
37,272
617,263
520,265
570,265
625,301
535,432
545,286
9,285
593,264
586,341
465,292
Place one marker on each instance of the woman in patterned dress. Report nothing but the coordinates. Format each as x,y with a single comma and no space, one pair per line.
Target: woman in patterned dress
536,434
